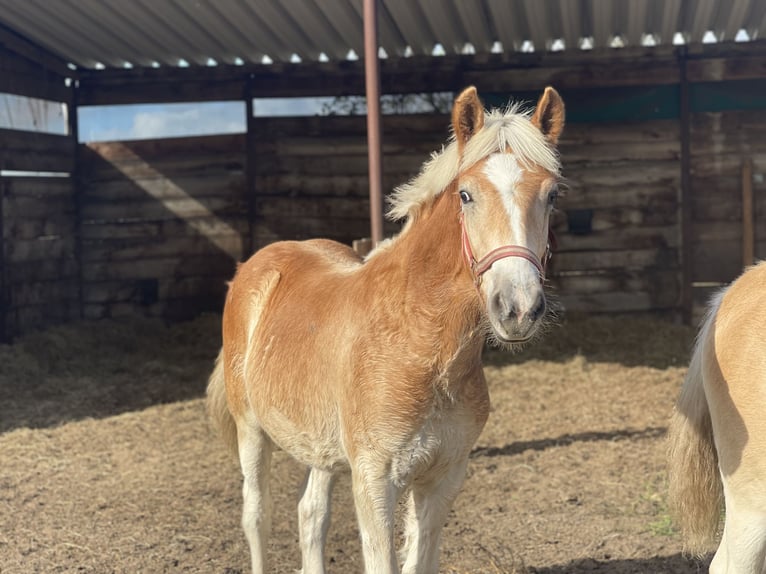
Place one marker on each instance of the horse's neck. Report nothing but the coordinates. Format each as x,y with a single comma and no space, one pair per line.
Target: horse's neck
441,300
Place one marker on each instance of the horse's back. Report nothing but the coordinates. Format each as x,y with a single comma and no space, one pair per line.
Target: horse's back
735,381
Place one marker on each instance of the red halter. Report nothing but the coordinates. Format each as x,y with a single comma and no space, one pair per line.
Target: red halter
478,268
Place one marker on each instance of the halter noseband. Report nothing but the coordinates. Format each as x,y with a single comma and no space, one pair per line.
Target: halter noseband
478,268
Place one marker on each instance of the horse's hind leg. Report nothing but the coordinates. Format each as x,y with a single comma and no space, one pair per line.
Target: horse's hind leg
314,519
743,544
255,449
429,505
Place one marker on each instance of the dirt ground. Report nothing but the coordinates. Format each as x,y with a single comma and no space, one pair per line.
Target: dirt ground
107,463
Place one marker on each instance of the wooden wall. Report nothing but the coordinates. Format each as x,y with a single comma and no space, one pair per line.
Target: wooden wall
312,181
311,173
163,224
721,142
38,226
625,179
39,272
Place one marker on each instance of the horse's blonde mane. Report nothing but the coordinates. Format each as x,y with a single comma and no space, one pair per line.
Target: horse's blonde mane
502,129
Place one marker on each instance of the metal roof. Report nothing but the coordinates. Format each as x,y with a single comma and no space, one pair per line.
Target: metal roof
152,33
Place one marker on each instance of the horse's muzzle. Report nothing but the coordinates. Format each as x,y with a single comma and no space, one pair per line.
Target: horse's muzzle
516,314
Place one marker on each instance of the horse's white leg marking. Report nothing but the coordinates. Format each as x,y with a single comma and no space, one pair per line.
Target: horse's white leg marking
375,498
429,505
314,519
255,449
743,544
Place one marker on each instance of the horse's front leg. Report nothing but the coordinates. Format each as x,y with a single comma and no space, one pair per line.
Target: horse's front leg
375,497
429,504
314,518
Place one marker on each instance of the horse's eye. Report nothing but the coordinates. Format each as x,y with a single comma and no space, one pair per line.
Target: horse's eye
553,195
465,197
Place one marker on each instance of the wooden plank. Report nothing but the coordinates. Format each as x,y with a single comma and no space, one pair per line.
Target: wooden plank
622,259
617,302
201,187
158,149
156,230
32,317
39,187
36,151
300,228
748,219
172,288
333,208
44,270
143,248
31,207
652,196
162,267
44,293
39,249
619,237
150,209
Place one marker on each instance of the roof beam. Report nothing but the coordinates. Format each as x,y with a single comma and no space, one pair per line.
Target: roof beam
34,52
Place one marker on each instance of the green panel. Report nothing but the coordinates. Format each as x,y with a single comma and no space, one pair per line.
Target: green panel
720,96
608,104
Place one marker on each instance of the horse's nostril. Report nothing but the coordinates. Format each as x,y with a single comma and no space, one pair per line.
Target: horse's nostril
538,309
504,306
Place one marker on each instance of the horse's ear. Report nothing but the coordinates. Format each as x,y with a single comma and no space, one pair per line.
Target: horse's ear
549,114
467,115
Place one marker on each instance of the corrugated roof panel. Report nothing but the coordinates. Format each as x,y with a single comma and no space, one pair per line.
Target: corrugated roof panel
348,24
539,24
570,15
671,14
506,24
476,24
602,12
637,25
444,21
414,27
736,19
142,32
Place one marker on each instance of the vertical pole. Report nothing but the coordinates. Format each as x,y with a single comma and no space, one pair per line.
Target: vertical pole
74,178
685,199
5,336
372,90
748,223
250,244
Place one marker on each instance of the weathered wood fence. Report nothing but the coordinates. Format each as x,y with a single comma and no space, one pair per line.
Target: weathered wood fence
156,227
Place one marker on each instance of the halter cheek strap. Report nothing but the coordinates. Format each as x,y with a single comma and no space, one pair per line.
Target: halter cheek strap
478,268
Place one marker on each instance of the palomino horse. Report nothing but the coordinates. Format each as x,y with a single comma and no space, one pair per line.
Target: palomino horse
376,364
718,431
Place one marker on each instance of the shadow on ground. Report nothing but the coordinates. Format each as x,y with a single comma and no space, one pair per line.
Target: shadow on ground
675,564
95,369
630,340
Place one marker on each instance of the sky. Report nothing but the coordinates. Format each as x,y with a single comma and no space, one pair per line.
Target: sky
109,123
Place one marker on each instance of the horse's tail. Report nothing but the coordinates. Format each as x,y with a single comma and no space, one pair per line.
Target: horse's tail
695,490
218,408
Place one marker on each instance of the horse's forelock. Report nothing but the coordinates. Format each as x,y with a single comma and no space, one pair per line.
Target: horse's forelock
502,130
